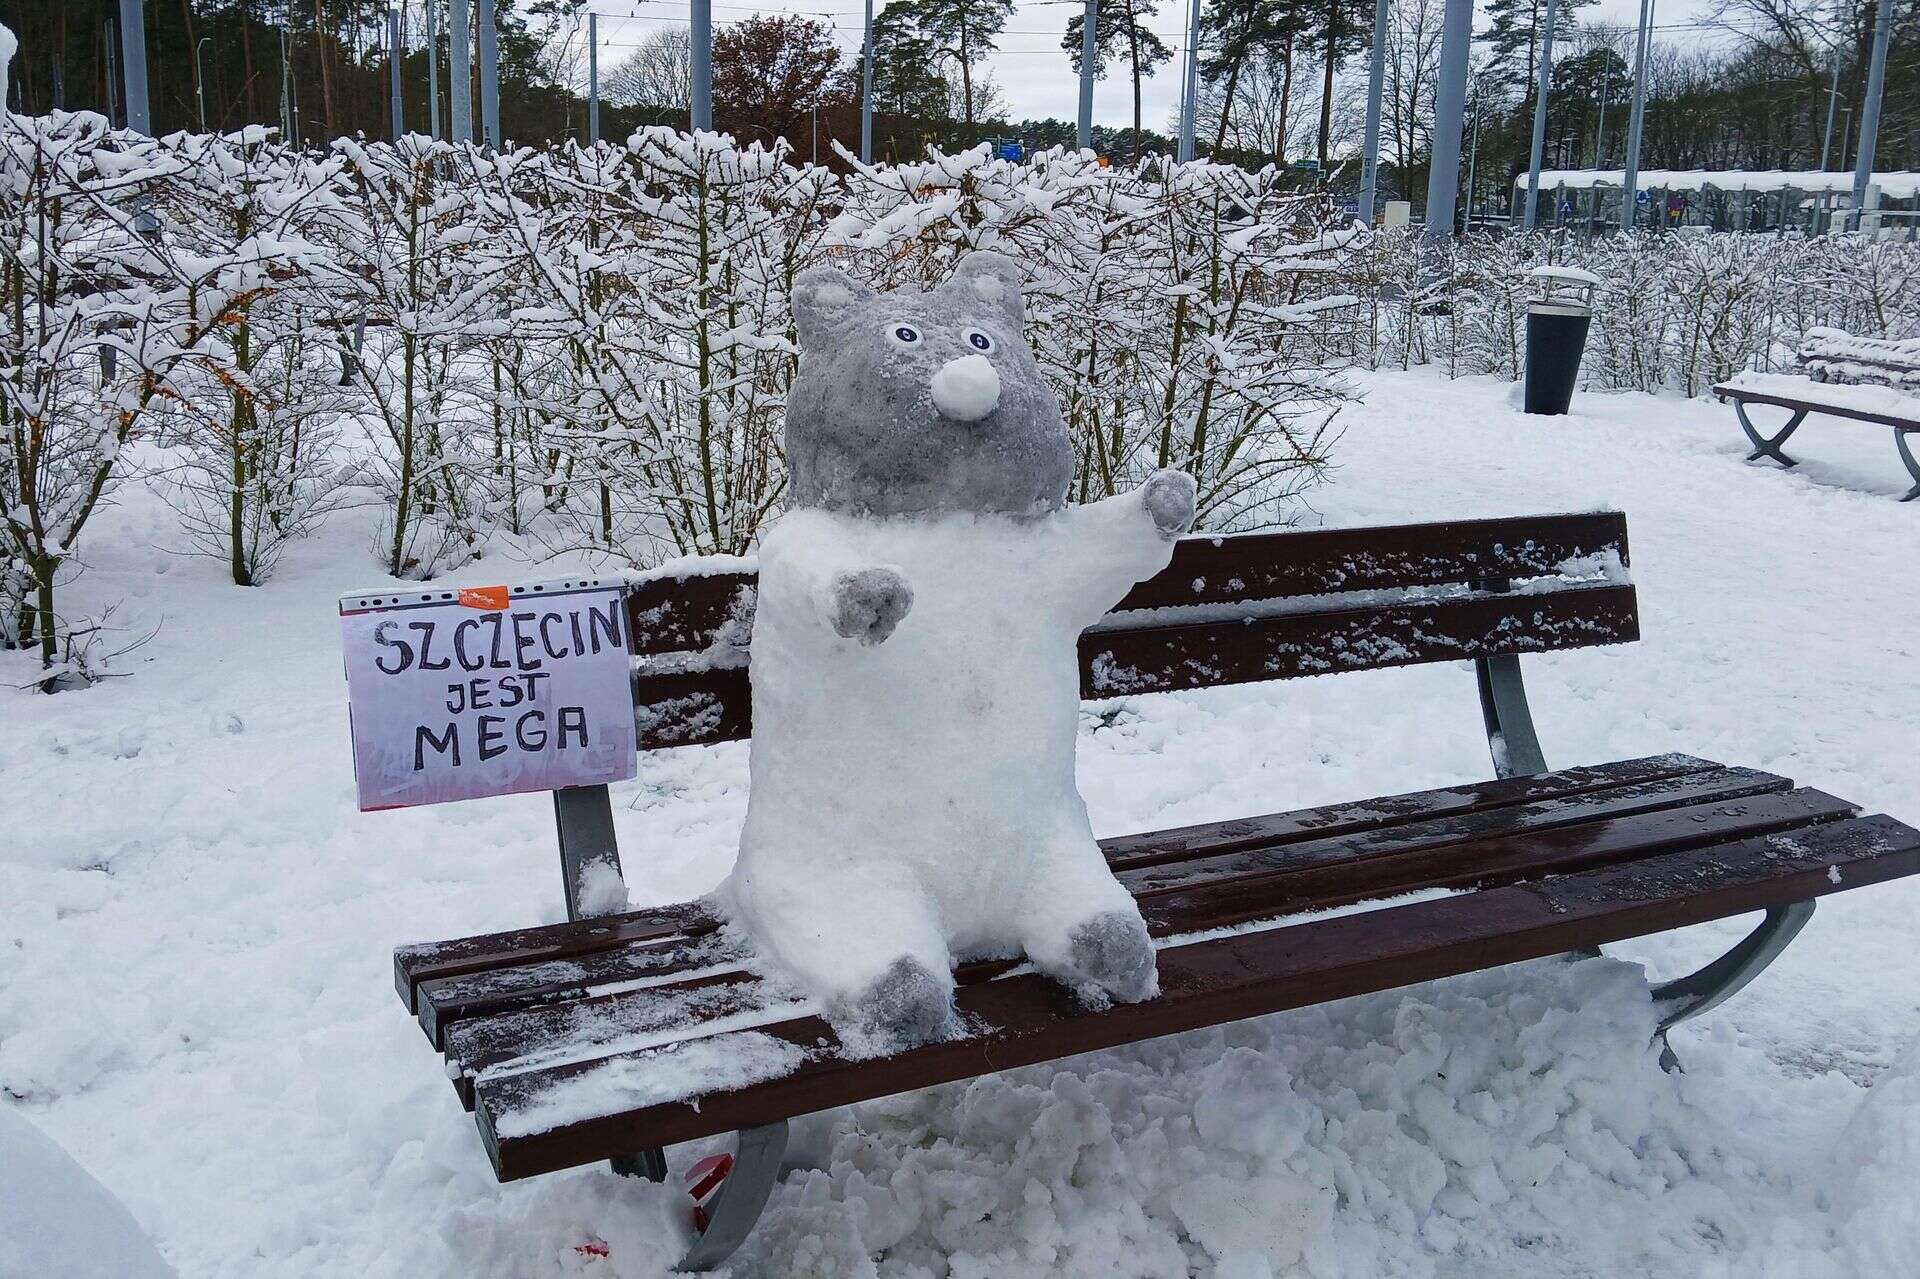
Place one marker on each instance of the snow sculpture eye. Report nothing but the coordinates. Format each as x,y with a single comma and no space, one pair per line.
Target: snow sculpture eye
979,341
904,336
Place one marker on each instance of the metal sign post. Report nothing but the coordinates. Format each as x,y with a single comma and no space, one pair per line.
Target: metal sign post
1870,113
133,64
489,75
593,78
393,72
1630,188
702,113
460,68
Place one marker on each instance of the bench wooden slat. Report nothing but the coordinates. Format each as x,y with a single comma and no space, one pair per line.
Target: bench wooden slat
683,614
1321,876
1152,847
542,1121
501,971
702,708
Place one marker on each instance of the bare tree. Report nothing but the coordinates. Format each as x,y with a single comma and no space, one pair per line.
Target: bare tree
657,74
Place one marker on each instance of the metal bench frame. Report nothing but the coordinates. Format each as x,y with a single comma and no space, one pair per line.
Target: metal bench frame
1769,446
584,816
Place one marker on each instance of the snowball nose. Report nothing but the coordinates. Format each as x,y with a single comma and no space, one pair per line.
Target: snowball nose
966,389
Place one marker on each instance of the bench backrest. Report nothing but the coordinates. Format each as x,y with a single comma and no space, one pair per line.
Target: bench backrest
1228,610
1829,355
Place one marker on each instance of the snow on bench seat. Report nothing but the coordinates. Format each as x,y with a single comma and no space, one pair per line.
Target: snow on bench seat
567,1056
1867,402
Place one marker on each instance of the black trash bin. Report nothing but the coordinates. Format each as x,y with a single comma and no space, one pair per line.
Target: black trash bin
1556,337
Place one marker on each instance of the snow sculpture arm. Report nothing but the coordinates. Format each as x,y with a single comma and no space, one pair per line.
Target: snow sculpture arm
1125,539
857,600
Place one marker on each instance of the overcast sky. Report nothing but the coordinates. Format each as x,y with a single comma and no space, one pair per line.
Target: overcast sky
1033,72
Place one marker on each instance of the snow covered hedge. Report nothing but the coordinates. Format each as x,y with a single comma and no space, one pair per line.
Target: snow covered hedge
1674,312
589,346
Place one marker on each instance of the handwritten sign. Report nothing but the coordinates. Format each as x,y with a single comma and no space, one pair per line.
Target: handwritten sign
488,690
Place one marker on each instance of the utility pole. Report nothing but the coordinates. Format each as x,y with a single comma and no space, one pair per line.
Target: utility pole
1630,187
702,51
866,93
1376,85
460,70
489,75
1870,113
393,72
433,69
1190,84
133,64
593,78
1449,107
1539,120
1089,46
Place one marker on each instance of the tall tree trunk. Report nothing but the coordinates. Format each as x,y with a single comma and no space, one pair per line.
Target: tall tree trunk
1286,102
1326,82
966,77
246,58
1226,103
1133,47
320,37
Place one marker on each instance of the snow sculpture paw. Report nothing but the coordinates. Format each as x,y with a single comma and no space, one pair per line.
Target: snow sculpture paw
906,1005
1169,497
1114,952
868,603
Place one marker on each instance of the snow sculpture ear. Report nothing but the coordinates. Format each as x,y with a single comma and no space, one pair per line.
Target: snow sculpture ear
990,278
824,297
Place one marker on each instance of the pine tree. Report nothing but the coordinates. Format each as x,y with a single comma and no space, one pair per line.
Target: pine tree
962,30
1517,26
1236,30
1117,26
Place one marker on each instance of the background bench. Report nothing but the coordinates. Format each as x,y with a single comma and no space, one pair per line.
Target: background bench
1863,379
612,1038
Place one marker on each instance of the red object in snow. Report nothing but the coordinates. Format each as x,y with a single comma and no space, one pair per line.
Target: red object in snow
594,1249
702,1180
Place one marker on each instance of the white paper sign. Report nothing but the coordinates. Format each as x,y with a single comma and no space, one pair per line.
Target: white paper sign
492,690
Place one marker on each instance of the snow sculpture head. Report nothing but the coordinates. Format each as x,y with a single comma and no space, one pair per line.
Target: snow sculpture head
916,403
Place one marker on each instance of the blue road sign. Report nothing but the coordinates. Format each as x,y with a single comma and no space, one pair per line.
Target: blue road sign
1640,197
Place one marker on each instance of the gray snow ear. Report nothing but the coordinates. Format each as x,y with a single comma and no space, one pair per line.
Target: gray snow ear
824,297
990,278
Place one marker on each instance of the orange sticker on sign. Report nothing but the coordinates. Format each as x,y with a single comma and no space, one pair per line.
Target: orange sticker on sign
494,597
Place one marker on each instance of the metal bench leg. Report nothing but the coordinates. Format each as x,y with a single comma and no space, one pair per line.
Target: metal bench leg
1710,986
1900,434
650,1164
756,1166
1509,721
1764,447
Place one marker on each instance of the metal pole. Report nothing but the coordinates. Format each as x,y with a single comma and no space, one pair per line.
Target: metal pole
1870,113
593,78
460,70
1089,47
433,69
866,92
133,64
1600,134
703,65
1190,98
1833,96
1449,107
1540,119
393,71
1630,187
199,80
1376,87
489,75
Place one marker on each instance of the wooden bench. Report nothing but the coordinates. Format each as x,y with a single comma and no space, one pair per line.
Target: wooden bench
1864,379
612,1038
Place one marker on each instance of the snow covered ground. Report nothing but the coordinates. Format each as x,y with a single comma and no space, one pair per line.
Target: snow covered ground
195,928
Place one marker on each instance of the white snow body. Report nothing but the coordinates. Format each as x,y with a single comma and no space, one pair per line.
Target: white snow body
916,797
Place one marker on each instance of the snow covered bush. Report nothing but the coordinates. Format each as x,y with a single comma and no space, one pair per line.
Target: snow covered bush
411,263
107,304
1673,313
255,408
